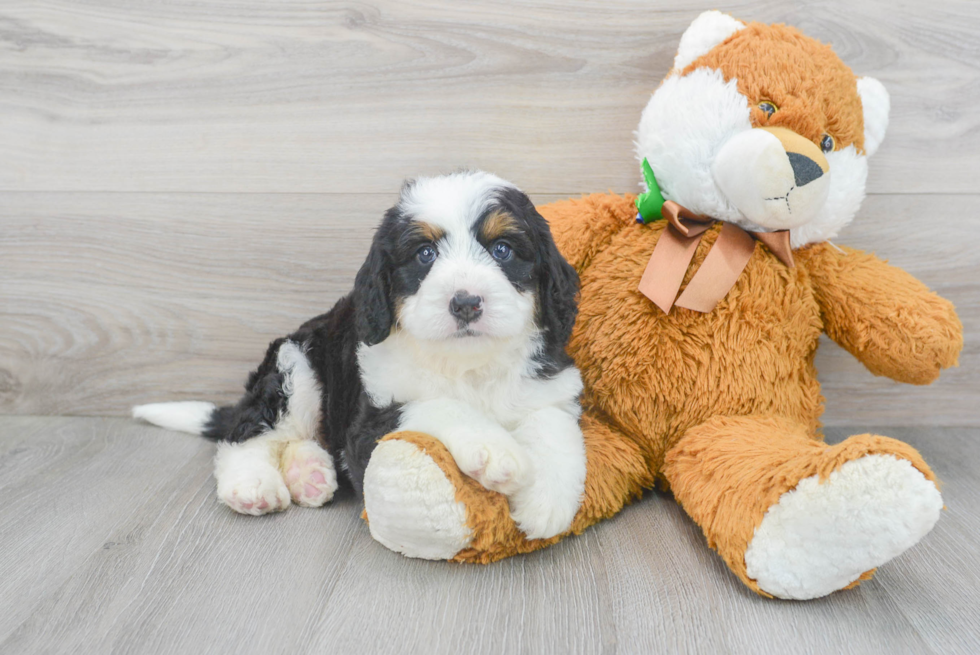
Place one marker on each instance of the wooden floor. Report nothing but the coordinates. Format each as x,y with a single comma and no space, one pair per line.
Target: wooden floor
113,541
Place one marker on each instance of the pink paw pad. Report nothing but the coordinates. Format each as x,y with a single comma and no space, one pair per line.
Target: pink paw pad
311,480
480,465
255,501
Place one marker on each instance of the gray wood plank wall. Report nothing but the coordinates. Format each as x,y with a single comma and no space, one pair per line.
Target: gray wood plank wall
181,182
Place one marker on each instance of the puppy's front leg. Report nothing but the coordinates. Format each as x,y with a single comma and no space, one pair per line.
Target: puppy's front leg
482,449
553,440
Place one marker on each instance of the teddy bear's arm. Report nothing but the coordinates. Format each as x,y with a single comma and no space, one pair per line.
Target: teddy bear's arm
582,226
890,321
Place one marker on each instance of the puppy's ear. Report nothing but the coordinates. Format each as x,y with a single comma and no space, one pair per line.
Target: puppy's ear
558,285
373,313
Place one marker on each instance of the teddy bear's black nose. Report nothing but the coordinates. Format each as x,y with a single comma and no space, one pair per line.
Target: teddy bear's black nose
805,169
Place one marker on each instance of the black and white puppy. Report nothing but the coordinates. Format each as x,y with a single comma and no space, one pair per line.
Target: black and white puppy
456,327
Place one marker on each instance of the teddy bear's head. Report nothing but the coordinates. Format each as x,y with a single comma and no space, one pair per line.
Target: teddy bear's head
761,126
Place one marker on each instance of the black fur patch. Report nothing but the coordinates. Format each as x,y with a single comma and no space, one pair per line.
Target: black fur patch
391,271
368,427
258,409
330,341
537,262
520,268
372,287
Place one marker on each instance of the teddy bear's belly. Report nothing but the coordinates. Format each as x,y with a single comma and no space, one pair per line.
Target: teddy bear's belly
660,374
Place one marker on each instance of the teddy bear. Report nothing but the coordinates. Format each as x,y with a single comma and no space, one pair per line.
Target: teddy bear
701,304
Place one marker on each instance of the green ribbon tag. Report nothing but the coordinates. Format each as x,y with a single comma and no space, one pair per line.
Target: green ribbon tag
649,204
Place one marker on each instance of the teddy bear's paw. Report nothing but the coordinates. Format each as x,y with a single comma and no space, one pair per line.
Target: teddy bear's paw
257,489
497,462
309,473
821,536
411,506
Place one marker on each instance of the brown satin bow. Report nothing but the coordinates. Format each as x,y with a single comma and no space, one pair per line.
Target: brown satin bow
720,269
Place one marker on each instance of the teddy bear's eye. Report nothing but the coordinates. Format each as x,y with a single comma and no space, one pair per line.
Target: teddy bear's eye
827,143
767,108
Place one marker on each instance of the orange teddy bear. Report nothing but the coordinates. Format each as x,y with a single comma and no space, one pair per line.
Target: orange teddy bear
697,332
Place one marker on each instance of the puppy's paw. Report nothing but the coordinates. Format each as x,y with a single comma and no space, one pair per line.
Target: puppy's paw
543,513
309,473
254,490
499,464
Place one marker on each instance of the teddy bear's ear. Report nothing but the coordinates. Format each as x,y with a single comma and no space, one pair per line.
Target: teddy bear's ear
875,102
708,30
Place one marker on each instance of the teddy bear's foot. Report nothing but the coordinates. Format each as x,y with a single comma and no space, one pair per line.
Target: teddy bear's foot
418,502
411,505
823,535
794,517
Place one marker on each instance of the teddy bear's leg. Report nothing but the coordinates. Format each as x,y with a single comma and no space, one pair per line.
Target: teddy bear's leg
796,518
417,501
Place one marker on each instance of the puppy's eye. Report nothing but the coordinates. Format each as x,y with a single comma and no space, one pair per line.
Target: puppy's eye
767,108
426,255
501,251
827,143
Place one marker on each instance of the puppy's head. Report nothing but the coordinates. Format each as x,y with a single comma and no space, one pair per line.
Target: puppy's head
465,261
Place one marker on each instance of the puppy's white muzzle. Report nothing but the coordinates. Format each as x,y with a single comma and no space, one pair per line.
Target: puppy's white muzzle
776,178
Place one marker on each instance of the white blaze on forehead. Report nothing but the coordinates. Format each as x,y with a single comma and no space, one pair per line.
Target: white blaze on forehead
451,202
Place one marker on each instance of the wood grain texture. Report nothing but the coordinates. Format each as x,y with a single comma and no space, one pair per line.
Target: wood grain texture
951,548
296,96
109,300
114,542
181,182
68,489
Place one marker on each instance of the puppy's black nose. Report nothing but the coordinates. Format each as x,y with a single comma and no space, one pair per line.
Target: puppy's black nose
466,308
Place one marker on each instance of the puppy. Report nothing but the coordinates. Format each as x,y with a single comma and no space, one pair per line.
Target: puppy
456,327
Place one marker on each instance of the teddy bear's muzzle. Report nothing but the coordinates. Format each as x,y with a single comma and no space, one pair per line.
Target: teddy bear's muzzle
776,178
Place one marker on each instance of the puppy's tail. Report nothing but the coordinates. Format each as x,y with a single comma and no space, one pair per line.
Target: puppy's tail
192,416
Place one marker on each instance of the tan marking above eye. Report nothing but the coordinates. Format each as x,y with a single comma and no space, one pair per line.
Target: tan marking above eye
430,232
498,224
